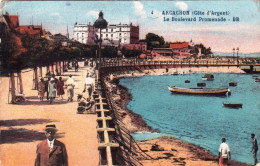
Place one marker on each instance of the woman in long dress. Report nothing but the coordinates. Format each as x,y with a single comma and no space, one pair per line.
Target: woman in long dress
60,89
41,89
52,90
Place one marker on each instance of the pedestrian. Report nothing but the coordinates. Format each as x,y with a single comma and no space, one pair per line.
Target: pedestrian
70,88
47,87
89,83
60,88
224,153
51,151
52,90
76,66
254,148
41,89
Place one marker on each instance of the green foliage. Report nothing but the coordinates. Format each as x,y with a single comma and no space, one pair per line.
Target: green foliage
130,53
204,50
12,52
109,52
154,40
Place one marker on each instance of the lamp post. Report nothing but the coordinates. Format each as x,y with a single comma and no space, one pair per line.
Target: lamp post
234,53
100,24
237,54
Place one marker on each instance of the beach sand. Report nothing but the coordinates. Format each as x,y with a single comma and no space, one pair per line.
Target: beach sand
167,151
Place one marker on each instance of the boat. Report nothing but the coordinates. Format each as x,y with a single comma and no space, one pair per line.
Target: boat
201,84
208,77
200,91
233,105
233,84
187,81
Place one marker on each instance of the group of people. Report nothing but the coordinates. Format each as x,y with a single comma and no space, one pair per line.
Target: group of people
225,155
55,87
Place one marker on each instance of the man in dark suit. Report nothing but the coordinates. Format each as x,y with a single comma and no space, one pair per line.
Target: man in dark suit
51,152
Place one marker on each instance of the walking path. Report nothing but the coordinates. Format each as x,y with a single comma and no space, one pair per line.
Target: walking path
22,125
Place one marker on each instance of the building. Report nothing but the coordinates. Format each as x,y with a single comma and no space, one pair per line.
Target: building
141,46
59,38
180,48
157,52
12,22
114,34
35,30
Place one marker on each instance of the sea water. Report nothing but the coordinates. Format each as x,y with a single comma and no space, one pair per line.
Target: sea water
200,120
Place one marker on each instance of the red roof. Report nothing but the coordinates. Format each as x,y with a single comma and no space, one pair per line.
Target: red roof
12,20
30,29
179,45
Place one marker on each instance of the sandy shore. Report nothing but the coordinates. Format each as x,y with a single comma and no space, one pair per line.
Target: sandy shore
22,125
168,151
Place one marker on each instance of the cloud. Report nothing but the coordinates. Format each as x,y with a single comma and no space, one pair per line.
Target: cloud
93,13
139,9
55,14
181,5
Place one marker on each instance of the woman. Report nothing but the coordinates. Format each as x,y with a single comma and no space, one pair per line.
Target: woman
41,89
60,89
52,90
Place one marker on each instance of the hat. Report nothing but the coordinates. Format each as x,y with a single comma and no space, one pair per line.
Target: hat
50,126
52,79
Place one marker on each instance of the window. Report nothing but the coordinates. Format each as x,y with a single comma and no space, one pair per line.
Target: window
112,30
106,35
106,30
119,34
111,35
120,29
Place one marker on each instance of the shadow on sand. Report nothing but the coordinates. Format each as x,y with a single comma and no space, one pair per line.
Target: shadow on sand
22,122
23,135
46,102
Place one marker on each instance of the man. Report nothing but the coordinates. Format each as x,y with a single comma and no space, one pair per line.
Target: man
70,88
51,152
89,83
254,148
224,153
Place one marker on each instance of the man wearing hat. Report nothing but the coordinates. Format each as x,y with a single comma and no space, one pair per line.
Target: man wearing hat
51,152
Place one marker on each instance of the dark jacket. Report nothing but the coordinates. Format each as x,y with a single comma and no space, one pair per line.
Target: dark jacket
56,157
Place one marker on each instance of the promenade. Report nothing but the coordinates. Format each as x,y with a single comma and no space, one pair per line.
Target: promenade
22,124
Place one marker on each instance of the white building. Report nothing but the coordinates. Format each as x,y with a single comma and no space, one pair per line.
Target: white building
114,34
81,32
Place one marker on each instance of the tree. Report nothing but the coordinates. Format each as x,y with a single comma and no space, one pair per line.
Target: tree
204,50
154,40
130,53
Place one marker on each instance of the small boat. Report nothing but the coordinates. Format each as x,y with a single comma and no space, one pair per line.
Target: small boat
233,105
208,77
187,81
201,84
232,84
199,91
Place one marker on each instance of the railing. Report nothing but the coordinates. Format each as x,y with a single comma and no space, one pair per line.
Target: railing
182,62
112,132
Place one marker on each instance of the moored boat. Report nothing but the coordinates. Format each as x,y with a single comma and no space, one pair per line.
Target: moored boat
233,84
233,105
200,91
208,77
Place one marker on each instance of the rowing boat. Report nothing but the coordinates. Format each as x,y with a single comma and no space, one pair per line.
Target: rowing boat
233,105
199,91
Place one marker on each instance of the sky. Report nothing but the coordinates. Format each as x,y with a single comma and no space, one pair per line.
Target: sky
55,16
